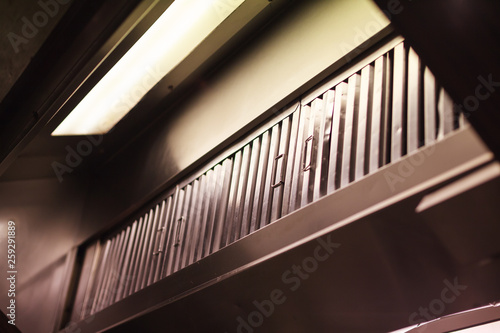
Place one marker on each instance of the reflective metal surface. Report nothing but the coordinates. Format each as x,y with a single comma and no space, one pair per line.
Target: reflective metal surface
325,144
388,268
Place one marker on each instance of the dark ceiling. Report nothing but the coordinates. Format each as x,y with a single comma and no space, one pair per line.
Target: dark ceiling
44,46
16,52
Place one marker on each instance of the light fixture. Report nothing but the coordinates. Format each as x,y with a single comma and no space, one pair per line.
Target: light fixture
174,35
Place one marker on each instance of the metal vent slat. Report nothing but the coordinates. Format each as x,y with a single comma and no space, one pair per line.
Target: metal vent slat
337,140
117,278
100,277
170,233
239,202
133,259
155,240
317,153
429,107
376,148
192,231
288,186
94,252
246,220
200,227
364,117
262,145
139,259
144,251
182,227
215,208
186,232
225,180
153,220
130,282
279,170
231,207
297,176
445,107
350,130
414,101
267,198
123,274
398,102
206,222
111,275
177,224
308,151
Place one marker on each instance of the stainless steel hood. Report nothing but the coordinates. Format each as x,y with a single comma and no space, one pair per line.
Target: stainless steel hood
341,265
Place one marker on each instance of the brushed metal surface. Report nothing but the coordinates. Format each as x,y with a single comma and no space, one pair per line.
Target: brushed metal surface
144,252
138,257
300,228
87,284
445,110
384,269
309,140
193,226
398,101
181,231
119,275
157,239
239,203
188,228
350,130
364,118
414,101
99,280
177,228
430,127
131,271
267,199
337,140
260,179
228,228
124,272
377,119
244,192
170,232
222,209
252,188
279,169
166,211
108,271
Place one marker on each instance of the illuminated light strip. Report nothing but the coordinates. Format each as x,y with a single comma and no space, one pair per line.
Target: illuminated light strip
176,33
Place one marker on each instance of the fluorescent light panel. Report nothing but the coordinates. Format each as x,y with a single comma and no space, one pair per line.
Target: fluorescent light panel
176,33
